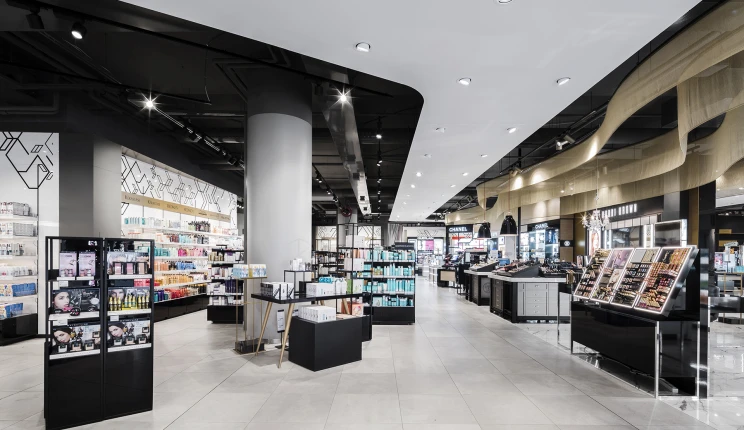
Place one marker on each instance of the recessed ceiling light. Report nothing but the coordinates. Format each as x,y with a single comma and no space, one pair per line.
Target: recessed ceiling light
363,47
427,155
453,186
440,129
443,195
465,174
504,1
464,81
397,216
378,136
563,81
149,103
484,155
343,98
405,203
511,129
78,31
563,191
418,174
413,185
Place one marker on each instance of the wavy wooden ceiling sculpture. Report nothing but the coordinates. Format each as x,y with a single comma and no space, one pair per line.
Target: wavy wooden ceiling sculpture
705,64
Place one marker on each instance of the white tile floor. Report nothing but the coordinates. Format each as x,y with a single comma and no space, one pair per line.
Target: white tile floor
458,368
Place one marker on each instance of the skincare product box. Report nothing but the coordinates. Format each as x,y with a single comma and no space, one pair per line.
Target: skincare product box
278,290
68,264
354,264
320,289
356,241
8,310
317,313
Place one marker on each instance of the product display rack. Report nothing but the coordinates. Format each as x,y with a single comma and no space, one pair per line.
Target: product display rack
99,329
17,325
393,314
227,312
641,279
356,249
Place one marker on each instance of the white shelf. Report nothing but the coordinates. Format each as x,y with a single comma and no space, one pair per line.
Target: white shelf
10,299
185,245
83,315
74,354
182,285
19,218
19,237
129,347
224,294
17,278
392,277
178,230
130,276
175,272
390,261
18,257
203,257
130,312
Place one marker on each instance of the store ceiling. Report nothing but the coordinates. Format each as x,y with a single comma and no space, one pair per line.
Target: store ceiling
513,52
585,114
112,54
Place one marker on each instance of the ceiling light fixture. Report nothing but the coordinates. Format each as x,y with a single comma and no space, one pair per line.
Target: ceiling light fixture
464,81
149,103
363,47
504,1
440,129
427,155
563,81
453,186
343,98
559,144
379,180
418,174
563,191
465,174
413,185
78,31
484,155
511,130
378,136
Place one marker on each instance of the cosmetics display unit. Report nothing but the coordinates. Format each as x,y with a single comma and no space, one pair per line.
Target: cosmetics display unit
99,328
225,293
629,309
18,273
480,286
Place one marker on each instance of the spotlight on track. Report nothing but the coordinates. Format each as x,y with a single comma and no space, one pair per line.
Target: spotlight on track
78,31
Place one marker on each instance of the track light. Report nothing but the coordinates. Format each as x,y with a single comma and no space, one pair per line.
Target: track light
379,161
149,103
363,47
378,136
559,144
563,81
78,31
328,192
34,21
379,180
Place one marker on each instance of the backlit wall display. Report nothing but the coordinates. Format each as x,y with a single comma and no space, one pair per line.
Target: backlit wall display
610,274
626,291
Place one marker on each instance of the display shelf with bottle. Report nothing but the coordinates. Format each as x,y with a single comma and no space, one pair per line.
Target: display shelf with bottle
73,329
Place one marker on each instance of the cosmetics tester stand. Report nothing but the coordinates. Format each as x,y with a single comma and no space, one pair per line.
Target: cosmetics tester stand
98,359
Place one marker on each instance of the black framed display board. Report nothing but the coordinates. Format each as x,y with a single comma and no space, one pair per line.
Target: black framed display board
100,329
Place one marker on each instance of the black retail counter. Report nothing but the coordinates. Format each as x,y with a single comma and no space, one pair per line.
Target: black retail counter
177,307
480,287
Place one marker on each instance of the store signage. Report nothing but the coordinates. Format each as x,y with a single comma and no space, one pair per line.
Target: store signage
149,202
541,226
730,244
567,243
400,246
460,229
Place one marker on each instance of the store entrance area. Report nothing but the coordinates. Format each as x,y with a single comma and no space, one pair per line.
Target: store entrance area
458,366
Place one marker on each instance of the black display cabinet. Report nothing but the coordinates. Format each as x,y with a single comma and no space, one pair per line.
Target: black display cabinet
322,345
98,360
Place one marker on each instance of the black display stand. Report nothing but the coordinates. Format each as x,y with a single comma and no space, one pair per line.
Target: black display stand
224,314
318,346
18,328
90,374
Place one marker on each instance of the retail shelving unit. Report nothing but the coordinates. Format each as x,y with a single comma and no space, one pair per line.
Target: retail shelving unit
396,306
355,249
99,329
225,301
19,299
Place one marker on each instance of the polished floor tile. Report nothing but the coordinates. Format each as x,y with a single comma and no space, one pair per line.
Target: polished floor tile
458,368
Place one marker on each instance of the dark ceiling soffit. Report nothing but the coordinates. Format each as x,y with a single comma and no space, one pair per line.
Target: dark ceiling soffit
73,14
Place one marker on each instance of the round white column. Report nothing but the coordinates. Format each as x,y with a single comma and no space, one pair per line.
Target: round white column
278,178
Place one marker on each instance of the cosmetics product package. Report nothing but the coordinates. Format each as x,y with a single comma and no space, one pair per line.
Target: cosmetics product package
75,299
320,289
87,264
68,264
279,290
131,331
76,337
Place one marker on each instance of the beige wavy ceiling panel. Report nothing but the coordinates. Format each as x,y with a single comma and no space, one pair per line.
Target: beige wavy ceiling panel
708,42
732,179
708,159
711,93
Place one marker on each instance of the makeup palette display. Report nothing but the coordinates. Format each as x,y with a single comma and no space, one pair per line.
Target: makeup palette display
626,291
592,273
662,278
610,274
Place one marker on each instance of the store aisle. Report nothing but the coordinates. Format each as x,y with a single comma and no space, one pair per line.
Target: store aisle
459,367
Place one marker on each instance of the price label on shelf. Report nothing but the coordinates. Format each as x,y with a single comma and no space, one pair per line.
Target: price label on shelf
114,318
61,321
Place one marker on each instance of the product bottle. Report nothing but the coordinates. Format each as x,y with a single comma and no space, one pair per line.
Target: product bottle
111,303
